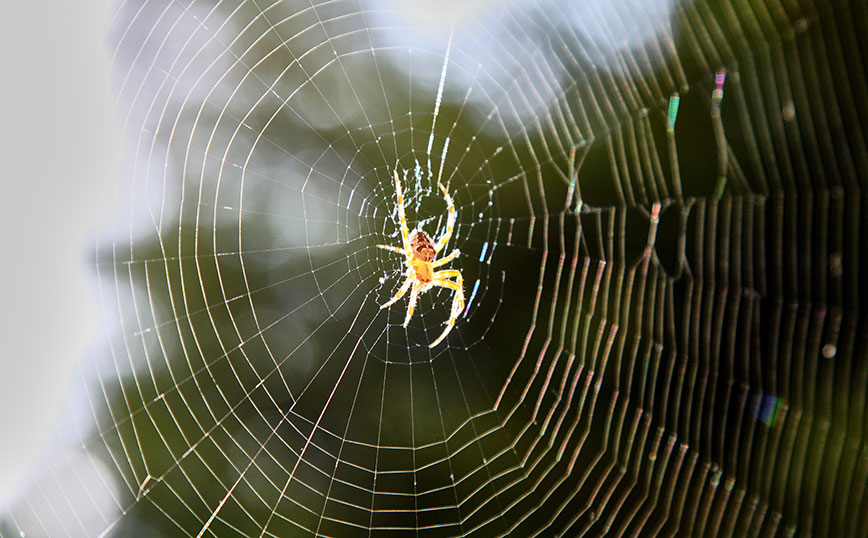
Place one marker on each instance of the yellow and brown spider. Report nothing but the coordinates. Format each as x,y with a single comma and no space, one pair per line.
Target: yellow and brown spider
420,252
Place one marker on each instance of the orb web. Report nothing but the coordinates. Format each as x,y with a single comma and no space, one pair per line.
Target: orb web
659,216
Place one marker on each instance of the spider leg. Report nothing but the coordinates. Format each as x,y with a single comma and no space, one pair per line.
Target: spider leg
450,220
457,307
447,259
405,233
402,290
393,249
440,279
414,294
457,301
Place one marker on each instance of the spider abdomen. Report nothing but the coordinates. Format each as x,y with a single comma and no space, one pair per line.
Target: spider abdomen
422,247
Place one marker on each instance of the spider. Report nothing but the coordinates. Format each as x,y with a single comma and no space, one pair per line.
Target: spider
420,252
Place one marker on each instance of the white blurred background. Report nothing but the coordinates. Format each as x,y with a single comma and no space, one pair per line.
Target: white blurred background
59,146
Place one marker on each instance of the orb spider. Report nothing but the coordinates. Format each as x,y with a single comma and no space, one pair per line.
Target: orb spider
420,252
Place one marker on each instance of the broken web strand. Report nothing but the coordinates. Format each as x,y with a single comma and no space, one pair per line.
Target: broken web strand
655,217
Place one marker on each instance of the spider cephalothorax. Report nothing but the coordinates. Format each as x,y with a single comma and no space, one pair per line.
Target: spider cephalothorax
420,252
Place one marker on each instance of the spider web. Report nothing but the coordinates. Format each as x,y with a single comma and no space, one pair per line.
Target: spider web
660,215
